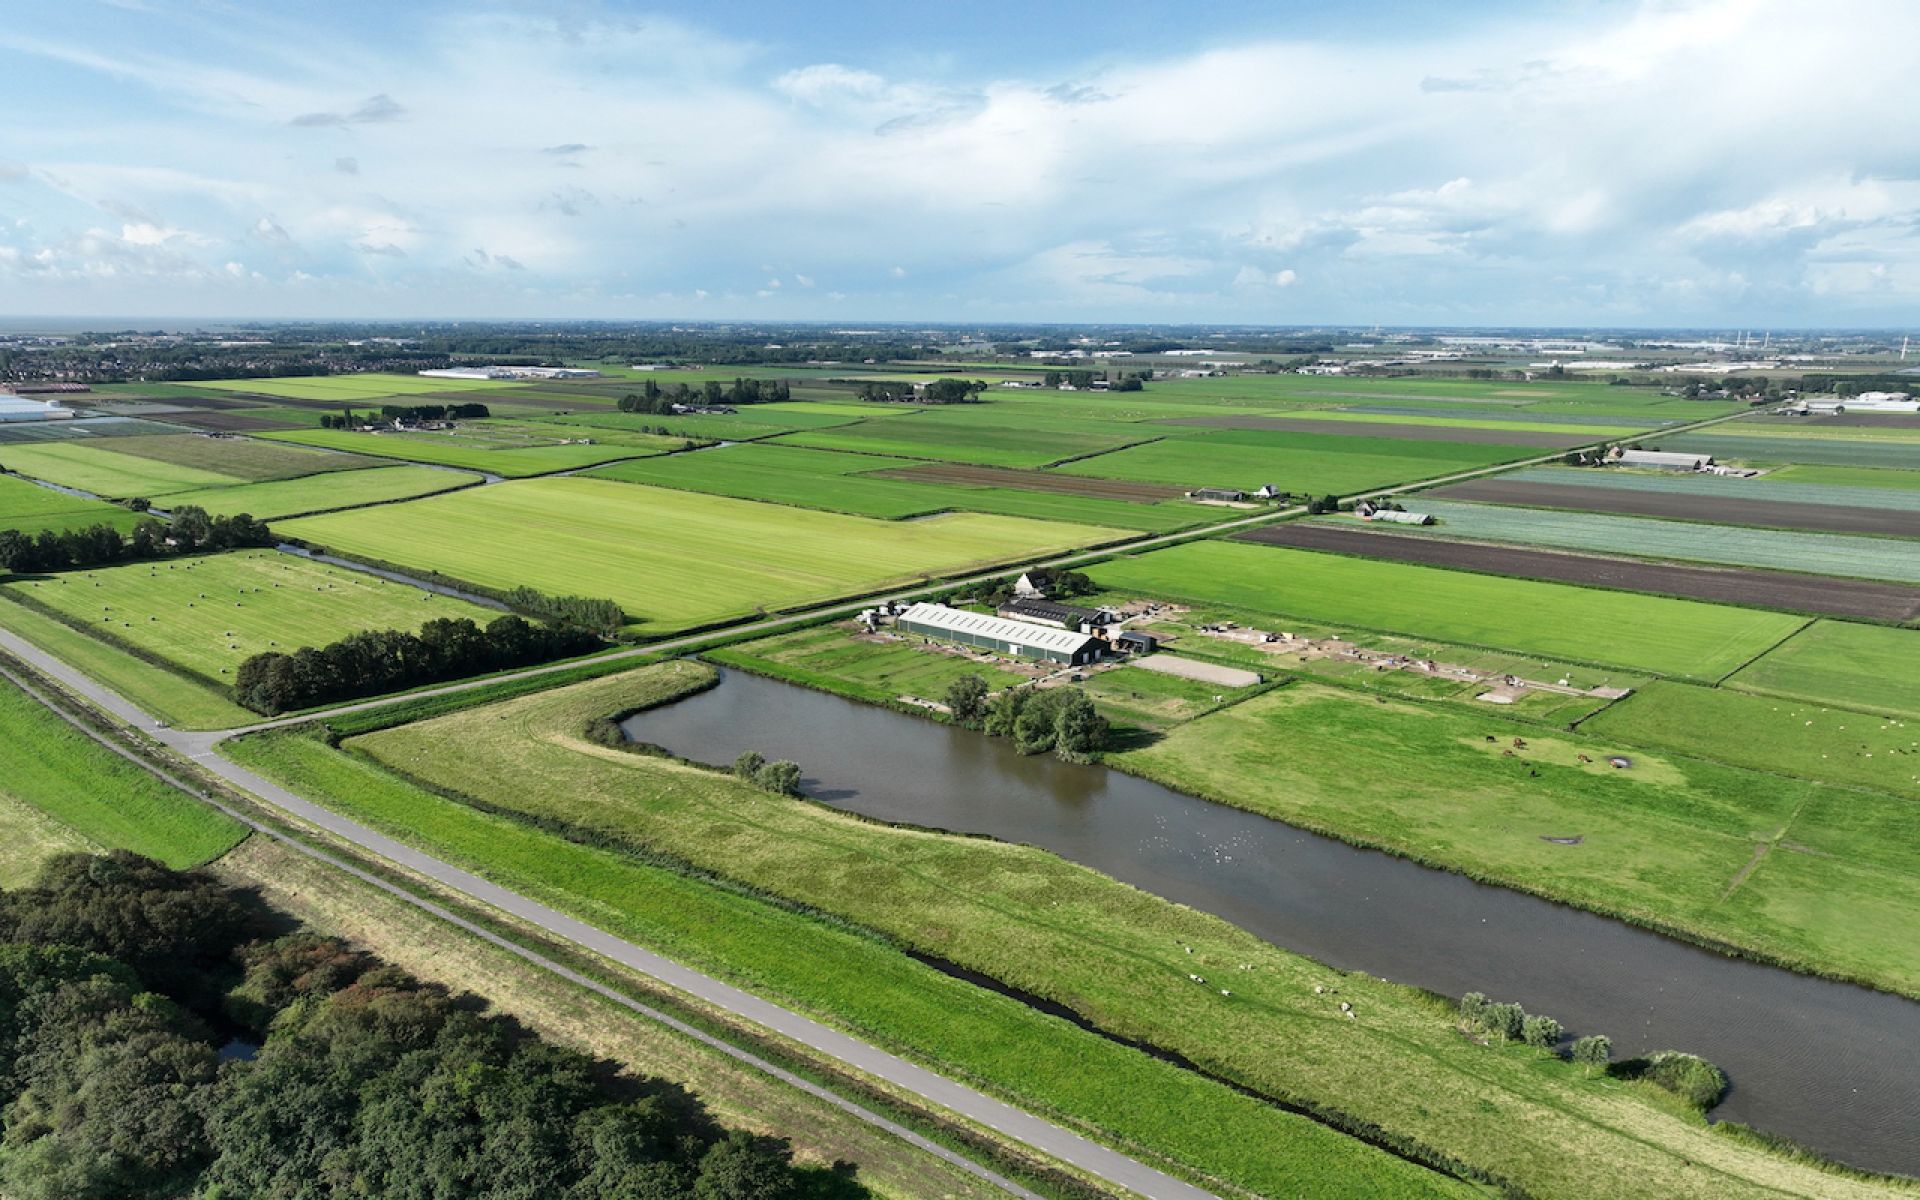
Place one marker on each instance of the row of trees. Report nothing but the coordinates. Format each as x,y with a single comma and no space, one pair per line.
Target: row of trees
1057,582
348,419
603,617
1687,1076
191,531
114,972
1062,720
375,662
653,398
937,391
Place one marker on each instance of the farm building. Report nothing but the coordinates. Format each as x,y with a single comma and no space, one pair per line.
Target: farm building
1268,491
1019,639
1227,495
1659,459
1135,642
1367,510
510,373
1051,612
20,408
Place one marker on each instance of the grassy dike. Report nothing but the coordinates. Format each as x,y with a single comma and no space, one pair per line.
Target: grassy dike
813,907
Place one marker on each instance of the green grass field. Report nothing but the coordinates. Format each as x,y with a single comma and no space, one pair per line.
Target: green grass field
1666,842
835,658
923,436
1023,916
207,615
241,457
323,493
1649,633
1874,478
1802,738
349,388
1336,418
104,800
674,559
171,696
104,472
1832,662
830,480
503,448
30,508
1893,559
1295,462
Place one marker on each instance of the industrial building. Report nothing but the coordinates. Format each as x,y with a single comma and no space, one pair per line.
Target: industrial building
1000,635
1659,459
1042,611
509,374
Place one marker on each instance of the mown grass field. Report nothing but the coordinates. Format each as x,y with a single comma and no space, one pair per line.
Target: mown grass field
1893,559
1113,953
831,481
323,493
1666,842
1533,395
1295,462
1336,418
501,448
28,837
103,799
30,508
1802,738
98,469
350,388
209,614
1832,662
241,457
835,658
674,559
1648,633
851,979
969,441
172,697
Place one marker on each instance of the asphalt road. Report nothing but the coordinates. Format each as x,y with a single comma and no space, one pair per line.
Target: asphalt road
1044,1136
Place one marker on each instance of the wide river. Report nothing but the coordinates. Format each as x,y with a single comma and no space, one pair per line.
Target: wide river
1833,1066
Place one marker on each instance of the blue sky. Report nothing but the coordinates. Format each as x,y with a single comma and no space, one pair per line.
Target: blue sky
1742,163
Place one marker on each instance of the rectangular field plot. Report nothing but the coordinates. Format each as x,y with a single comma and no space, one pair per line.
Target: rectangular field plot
675,559
323,493
839,657
1650,633
104,472
1868,489
240,457
1295,462
1682,504
80,429
832,481
1726,585
925,436
1872,478
208,614
1859,666
350,388
1414,429
30,508
1891,559
1834,452
508,448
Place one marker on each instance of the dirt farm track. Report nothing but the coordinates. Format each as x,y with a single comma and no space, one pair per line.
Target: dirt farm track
1758,514
1726,585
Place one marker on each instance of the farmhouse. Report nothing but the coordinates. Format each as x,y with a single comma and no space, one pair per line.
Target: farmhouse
1268,491
1660,459
1051,612
1019,639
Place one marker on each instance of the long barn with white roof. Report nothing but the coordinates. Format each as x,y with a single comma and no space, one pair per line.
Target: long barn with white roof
1018,639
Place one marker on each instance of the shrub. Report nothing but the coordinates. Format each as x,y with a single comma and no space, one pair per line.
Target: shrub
781,777
1542,1032
1591,1051
1687,1076
748,765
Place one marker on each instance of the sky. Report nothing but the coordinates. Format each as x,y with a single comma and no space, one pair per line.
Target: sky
1699,163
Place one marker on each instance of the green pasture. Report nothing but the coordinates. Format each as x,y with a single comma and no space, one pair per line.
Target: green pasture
30,508
101,798
1893,559
1868,667
830,480
279,498
350,388
839,658
512,449
1665,841
173,697
1877,479
1120,957
1336,417
208,614
1785,736
966,441
703,427
105,472
241,457
674,559
1295,462
1649,633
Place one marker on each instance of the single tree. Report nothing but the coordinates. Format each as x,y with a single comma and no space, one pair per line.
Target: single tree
1592,1051
748,765
967,700
1541,1032
780,777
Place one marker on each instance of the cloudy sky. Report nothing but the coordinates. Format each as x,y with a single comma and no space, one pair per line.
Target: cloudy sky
1739,163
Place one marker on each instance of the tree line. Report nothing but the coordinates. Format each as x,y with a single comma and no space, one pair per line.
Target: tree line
1063,720
936,391
191,531
116,973
348,419
652,398
375,662
1687,1076
603,617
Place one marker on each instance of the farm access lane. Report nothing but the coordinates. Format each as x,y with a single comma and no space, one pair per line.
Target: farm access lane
848,608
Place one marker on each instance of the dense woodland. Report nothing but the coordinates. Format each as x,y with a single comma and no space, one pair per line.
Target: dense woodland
120,980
